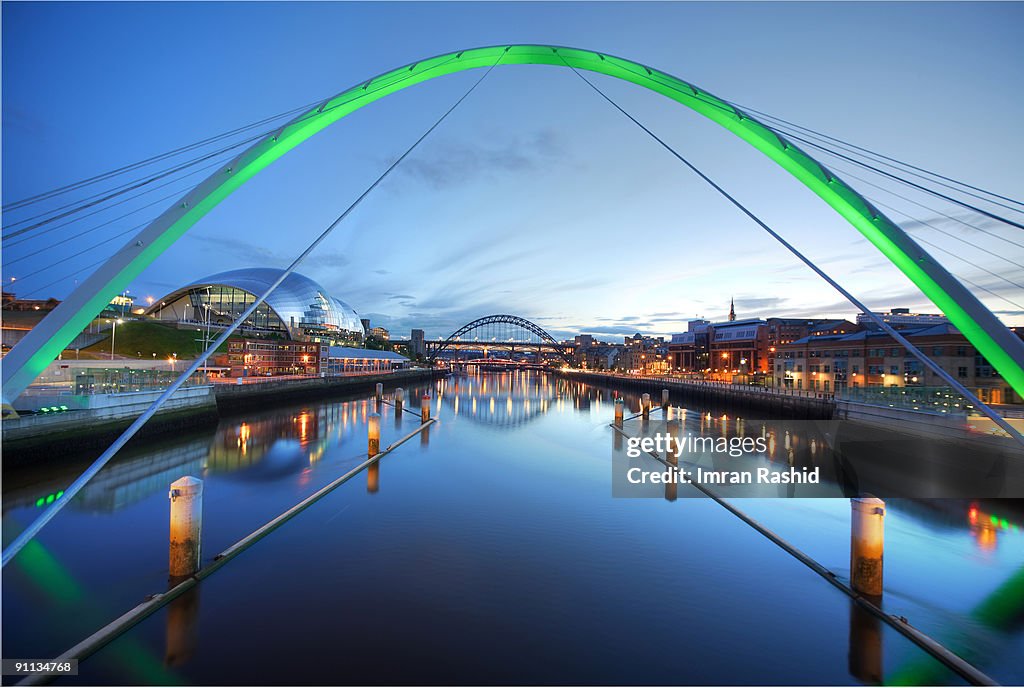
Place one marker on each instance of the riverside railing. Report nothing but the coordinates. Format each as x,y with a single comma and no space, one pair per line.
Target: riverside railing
934,399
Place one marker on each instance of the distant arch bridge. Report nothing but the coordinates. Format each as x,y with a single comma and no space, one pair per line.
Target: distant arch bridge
501,332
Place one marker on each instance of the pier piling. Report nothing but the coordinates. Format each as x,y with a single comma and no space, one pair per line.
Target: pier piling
373,434
867,540
186,497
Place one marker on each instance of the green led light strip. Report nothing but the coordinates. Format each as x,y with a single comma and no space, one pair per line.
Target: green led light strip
993,340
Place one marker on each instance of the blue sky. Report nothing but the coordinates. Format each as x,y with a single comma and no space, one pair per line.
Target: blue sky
534,197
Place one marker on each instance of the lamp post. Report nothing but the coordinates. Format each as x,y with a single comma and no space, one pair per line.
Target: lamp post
206,341
113,333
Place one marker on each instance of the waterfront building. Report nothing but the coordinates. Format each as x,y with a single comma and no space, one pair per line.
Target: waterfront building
827,362
344,360
269,357
300,309
747,347
13,303
599,356
901,318
643,355
739,347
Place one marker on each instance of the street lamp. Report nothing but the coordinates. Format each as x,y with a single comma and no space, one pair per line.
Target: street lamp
113,333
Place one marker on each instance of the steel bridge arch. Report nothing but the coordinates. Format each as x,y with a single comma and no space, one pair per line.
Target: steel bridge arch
983,329
503,319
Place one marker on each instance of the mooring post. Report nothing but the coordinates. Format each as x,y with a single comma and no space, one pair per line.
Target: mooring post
672,458
399,400
618,413
425,408
664,399
373,434
867,542
186,497
380,392
645,405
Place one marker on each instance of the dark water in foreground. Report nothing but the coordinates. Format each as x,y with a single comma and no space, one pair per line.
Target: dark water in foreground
490,551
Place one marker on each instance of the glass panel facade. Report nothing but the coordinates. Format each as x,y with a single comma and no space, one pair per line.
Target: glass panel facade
299,309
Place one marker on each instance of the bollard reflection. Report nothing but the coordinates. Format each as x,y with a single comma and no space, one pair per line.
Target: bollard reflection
373,478
425,437
865,652
182,627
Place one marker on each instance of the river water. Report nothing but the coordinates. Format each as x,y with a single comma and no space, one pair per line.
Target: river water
491,550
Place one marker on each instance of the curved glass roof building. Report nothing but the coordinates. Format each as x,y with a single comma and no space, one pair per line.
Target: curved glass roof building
299,308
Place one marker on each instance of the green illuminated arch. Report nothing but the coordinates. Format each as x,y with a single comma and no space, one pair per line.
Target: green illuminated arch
42,345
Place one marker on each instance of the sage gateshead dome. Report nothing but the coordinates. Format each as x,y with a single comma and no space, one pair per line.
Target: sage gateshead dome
299,309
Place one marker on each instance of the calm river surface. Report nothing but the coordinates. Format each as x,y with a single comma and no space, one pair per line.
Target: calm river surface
489,551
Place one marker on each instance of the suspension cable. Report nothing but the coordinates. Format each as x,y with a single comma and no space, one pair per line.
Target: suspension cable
892,332
907,182
45,195
974,265
887,158
63,278
958,220
309,115
174,194
131,186
33,529
955,237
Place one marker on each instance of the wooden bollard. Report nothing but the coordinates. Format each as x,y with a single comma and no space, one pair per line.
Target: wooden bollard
645,405
867,542
399,400
186,497
380,391
618,412
425,408
672,458
373,434
664,399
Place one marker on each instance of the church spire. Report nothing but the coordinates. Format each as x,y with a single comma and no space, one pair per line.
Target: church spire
732,309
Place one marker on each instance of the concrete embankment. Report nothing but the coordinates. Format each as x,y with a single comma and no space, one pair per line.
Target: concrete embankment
103,417
879,421
800,405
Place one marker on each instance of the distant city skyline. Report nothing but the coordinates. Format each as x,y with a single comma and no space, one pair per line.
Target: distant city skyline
535,198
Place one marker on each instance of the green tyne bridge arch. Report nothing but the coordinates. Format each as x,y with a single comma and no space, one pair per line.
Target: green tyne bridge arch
42,345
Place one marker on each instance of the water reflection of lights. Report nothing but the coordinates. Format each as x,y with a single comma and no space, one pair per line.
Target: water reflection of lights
985,527
243,438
